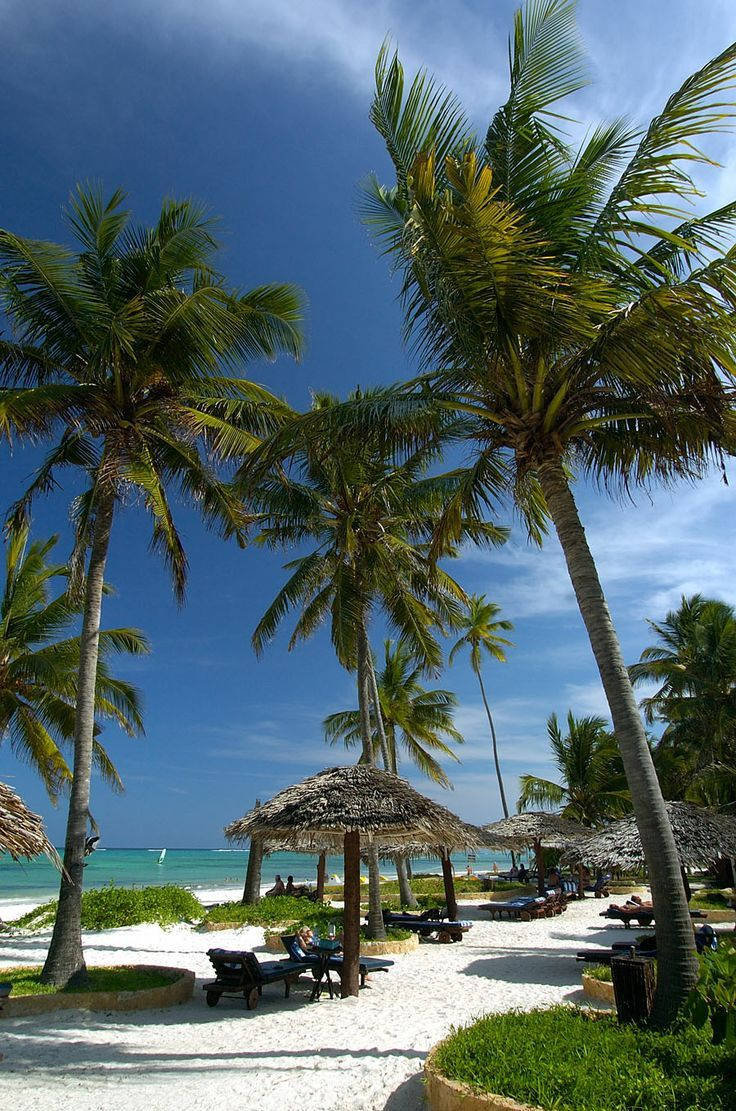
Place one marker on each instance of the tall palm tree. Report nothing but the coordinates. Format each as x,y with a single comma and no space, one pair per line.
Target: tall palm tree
418,721
694,667
39,666
573,318
367,518
120,353
592,784
481,627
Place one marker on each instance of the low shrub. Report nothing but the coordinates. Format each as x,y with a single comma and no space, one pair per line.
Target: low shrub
567,1060
275,910
711,899
108,907
27,981
600,972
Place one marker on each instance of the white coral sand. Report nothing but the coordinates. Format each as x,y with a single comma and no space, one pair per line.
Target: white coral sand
354,1054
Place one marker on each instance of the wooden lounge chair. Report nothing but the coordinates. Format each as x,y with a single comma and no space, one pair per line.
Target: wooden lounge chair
643,915
431,921
367,965
705,938
241,973
526,907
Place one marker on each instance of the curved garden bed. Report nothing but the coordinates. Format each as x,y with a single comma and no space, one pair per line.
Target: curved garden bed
444,1094
396,946
568,1059
178,989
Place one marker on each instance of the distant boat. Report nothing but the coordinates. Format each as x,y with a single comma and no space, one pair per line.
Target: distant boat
161,856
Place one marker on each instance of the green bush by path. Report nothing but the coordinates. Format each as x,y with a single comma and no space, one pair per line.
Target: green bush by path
712,899
600,972
274,910
564,1060
425,885
26,981
108,907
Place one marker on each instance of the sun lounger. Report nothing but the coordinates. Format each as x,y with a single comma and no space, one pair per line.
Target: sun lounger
367,965
600,888
705,938
432,921
241,973
643,916
527,907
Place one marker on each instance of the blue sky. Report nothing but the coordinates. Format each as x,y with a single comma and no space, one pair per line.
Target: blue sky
261,111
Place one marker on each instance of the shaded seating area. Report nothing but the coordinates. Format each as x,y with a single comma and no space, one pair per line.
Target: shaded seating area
705,938
432,921
313,960
526,907
241,973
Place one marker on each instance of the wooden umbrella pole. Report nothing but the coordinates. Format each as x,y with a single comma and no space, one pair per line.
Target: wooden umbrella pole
321,867
450,899
539,857
351,915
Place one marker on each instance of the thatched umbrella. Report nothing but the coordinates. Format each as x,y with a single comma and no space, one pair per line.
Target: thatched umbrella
21,831
700,835
535,829
336,809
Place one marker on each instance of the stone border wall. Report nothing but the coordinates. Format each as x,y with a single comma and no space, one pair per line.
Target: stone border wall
450,1095
600,990
178,991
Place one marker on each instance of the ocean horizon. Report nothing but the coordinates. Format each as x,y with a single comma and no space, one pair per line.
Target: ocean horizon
220,869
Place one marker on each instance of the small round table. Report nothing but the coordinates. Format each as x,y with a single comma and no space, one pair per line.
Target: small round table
325,951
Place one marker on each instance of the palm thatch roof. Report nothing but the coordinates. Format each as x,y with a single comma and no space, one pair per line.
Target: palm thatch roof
520,831
389,814
700,836
21,831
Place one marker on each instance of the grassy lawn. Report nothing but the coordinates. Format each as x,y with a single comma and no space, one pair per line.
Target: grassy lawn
564,1060
27,981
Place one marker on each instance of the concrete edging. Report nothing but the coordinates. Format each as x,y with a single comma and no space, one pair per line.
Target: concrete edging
600,990
450,1095
168,995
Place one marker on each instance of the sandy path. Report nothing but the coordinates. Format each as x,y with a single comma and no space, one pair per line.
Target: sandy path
361,1055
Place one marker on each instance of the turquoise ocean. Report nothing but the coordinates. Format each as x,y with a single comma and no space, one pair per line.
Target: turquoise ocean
199,869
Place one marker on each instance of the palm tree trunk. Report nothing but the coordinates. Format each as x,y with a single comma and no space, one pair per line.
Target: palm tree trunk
406,895
252,889
65,958
499,777
676,961
376,928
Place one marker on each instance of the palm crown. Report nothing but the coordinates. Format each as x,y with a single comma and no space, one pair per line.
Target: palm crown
592,786
481,627
415,719
370,518
122,347
38,667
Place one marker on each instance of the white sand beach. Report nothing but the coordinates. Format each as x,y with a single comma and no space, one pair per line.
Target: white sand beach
362,1055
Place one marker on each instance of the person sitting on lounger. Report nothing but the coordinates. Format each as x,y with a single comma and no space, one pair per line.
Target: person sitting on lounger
278,887
513,872
305,939
522,875
290,889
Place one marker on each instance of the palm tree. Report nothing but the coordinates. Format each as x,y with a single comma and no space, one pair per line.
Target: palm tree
120,352
592,784
367,518
38,668
694,667
419,721
572,317
481,626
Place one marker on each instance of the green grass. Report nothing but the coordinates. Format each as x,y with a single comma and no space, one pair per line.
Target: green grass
432,887
564,1060
712,899
600,972
108,907
275,910
27,980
